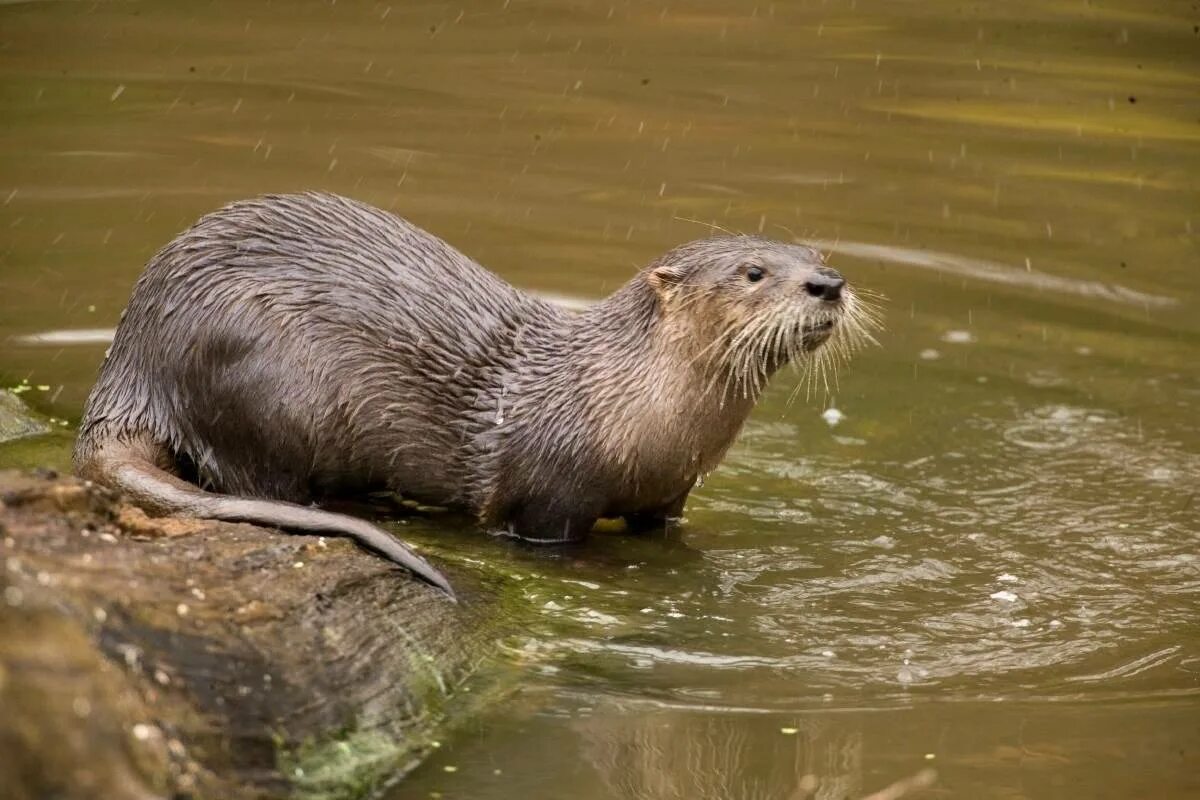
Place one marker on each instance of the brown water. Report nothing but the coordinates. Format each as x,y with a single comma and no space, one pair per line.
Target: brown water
989,566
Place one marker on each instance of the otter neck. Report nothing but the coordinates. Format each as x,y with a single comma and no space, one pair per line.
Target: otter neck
671,408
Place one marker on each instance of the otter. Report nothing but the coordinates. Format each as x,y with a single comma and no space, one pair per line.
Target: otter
293,349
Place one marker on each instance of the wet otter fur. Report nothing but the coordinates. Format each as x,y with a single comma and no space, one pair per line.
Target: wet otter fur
295,348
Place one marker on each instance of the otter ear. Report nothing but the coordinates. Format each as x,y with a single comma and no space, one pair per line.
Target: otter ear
666,277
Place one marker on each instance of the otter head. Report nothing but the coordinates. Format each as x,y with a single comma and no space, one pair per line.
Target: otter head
752,305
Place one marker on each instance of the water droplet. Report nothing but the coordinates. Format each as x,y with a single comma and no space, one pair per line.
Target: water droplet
832,416
958,337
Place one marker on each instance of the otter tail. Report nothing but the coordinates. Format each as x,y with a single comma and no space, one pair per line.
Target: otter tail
132,469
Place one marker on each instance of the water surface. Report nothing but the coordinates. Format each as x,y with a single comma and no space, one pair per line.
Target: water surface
987,566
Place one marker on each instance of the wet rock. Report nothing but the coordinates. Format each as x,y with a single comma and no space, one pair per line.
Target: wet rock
146,658
17,421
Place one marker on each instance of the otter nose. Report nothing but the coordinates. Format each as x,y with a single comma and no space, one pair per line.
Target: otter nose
825,284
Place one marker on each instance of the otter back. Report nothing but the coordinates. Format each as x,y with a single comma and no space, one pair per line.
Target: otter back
297,347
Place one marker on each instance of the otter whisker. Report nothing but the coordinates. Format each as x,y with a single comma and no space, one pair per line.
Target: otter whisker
742,354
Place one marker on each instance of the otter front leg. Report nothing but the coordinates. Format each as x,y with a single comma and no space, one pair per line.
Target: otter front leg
651,519
552,523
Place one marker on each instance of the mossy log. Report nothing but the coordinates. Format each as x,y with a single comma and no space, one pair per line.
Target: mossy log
144,657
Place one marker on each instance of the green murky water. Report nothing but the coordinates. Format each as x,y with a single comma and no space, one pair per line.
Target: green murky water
988,566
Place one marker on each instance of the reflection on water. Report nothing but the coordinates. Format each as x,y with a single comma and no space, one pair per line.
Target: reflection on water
57,338
639,757
636,750
978,553
977,269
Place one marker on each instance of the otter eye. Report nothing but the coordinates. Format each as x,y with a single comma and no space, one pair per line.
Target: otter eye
755,274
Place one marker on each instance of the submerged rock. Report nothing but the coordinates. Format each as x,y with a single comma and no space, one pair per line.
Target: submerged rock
145,658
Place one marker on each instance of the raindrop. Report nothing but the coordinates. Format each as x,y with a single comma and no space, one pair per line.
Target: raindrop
958,337
832,416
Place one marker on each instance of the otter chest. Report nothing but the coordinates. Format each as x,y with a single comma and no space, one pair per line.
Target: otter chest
665,454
